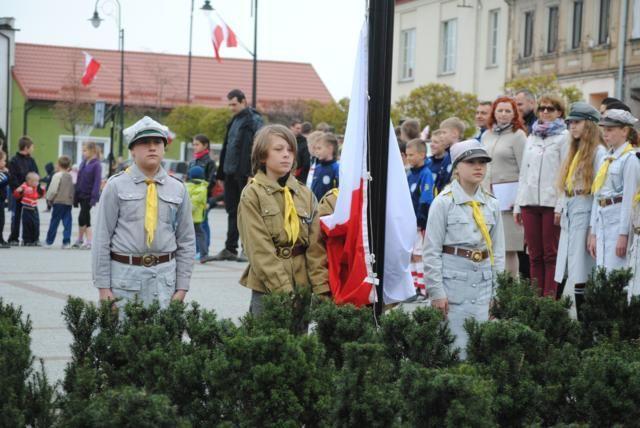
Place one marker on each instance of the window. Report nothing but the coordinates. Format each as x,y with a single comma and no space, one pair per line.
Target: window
527,50
576,35
449,35
603,24
494,20
635,17
552,31
68,147
408,52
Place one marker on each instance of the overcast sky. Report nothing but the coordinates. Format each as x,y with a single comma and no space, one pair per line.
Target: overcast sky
321,32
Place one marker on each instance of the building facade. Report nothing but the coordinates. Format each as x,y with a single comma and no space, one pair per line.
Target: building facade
592,44
462,43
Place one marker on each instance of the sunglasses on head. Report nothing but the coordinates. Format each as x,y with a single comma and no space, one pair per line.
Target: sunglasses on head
550,109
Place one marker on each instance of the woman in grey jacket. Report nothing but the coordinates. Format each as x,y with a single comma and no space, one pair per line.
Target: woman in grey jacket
537,204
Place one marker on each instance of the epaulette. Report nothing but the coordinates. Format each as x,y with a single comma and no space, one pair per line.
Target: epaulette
176,178
446,191
488,193
117,174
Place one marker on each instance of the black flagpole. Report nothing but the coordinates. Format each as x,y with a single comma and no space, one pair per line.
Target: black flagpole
380,61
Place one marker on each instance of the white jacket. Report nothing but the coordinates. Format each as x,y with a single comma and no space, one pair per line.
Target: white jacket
537,185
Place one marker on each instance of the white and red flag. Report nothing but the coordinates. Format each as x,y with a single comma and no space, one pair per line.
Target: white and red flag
91,67
221,34
350,274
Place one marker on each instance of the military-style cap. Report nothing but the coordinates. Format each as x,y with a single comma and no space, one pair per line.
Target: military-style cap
467,150
144,128
583,111
617,118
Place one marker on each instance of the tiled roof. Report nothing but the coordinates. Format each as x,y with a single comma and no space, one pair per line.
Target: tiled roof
159,80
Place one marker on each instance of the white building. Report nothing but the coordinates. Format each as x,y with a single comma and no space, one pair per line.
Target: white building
462,43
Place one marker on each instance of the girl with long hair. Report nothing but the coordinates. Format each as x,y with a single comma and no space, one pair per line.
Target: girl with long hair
583,153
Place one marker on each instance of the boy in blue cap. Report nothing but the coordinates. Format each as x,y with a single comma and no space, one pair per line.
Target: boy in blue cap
197,187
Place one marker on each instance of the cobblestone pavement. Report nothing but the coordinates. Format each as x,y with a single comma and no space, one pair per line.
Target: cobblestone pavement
40,280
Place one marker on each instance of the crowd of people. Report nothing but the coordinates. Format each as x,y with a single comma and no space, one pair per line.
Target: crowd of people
540,191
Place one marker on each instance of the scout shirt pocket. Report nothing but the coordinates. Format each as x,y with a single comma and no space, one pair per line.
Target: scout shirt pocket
273,218
455,286
458,227
615,175
305,218
131,205
168,206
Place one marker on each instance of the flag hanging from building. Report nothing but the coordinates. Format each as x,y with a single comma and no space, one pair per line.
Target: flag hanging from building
91,67
221,34
350,274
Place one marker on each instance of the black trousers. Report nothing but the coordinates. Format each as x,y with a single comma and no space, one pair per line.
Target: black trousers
30,225
1,218
15,220
232,189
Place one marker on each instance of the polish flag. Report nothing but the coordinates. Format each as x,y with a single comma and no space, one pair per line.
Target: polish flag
351,277
91,67
221,34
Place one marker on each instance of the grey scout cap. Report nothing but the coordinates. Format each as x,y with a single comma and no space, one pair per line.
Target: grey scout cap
617,118
583,111
467,150
144,128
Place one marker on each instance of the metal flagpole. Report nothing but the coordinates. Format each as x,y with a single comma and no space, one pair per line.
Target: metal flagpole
380,61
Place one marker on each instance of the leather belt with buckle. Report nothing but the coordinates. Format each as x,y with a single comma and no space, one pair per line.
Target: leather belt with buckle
473,255
605,202
146,260
288,252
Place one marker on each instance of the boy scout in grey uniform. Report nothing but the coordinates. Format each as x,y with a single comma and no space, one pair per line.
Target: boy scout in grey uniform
457,263
144,240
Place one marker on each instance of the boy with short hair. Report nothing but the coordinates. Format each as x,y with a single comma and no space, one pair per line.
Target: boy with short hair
197,188
454,130
19,166
27,195
60,196
420,182
326,173
4,184
440,161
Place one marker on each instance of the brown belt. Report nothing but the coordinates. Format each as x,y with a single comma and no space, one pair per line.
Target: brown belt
605,202
146,260
288,252
576,193
474,255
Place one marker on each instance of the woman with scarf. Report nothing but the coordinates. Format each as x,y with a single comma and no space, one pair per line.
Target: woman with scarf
537,203
505,140
582,155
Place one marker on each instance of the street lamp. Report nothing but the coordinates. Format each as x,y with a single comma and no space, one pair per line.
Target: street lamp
95,21
207,8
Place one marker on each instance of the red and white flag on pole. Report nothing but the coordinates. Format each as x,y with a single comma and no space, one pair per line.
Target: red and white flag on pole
91,67
221,34
350,274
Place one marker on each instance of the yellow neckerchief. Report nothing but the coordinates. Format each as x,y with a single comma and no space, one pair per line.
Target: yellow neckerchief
291,221
636,199
478,216
568,181
151,209
598,182
334,191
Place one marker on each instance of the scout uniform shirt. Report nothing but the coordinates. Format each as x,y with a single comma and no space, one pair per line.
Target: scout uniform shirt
610,219
273,263
120,229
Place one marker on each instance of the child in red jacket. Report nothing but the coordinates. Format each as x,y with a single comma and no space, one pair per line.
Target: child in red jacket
27,194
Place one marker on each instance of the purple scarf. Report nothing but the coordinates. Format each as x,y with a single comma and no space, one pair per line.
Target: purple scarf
548,129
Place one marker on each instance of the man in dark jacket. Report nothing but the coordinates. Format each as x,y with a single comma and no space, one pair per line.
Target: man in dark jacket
526,103
235,167
303,159
19,166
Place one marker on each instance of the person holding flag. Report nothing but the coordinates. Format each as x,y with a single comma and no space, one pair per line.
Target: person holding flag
144,240
464,244
278,223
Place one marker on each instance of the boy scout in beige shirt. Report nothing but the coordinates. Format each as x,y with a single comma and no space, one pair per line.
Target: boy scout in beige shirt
144,241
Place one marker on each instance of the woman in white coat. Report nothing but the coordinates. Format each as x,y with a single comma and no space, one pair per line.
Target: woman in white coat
581,159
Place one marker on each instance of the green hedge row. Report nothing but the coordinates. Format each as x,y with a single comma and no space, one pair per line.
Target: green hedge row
184,366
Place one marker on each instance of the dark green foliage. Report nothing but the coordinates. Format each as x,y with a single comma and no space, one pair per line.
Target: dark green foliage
125,407
366,393
449,397
606,312
281,311
607,386
421,337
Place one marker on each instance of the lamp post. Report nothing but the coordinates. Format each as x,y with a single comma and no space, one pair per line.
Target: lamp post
95,21
205,7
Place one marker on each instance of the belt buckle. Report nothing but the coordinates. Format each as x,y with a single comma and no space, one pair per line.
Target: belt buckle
602,203
476,255
149,260
284,252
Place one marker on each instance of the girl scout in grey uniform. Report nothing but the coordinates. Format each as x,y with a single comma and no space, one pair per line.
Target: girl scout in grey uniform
613,192
464,245
144,241
581,156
